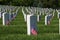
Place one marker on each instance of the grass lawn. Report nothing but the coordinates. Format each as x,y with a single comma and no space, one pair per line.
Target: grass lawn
17,30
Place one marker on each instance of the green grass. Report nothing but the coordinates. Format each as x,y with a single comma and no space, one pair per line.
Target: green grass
46,36
17,30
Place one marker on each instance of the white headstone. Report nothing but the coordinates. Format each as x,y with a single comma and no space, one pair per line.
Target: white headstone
31,25
0,15
3,18
46,19
28,25
25,16
38,18
59,26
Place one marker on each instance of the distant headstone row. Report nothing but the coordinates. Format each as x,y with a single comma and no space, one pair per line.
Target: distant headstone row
48,13
58,15
8,13
32,15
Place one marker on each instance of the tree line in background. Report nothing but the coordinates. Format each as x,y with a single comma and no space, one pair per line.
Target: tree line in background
35,3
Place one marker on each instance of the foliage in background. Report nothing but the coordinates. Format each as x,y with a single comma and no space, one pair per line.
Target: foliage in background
36,3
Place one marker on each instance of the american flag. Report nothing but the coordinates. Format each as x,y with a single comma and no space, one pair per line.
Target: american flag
33,31
7,22
48,22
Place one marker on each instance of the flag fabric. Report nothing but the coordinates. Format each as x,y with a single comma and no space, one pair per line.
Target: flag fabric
33,31
48,22
7,22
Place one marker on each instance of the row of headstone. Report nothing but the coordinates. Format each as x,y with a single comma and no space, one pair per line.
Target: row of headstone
7,17
36,11
32,19
48,19
28,11
4,9
58,15
32,11
41,10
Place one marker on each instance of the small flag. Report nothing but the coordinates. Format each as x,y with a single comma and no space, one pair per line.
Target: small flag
14,16
7,22
33,31
48,22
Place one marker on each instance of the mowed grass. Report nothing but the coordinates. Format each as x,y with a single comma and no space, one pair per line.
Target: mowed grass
17,30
